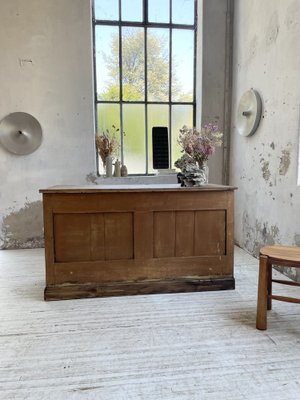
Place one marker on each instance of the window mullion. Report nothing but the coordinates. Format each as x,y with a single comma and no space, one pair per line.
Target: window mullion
121,83
195,62
146,91
170,88
145,16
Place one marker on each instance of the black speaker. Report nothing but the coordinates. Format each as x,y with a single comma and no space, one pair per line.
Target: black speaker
160,147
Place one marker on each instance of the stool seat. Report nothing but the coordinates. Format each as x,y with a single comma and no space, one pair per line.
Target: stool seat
273,255
283,253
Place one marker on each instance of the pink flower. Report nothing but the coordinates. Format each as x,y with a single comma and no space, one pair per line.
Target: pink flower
210,150
200,144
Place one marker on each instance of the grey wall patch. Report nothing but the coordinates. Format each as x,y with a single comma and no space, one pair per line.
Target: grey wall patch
272,30
285,161
25,61
253,48
297,239
23,229
293,16
293,273
257,236
265,169
290,272
91,178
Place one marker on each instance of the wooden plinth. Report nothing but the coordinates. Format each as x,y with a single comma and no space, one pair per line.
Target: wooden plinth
154,286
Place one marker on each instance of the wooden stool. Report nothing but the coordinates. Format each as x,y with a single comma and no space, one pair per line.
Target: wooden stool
269,256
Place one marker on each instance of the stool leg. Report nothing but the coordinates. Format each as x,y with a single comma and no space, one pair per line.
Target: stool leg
261,315
269,300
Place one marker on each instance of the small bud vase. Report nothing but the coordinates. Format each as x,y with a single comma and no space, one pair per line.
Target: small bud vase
108,167
117,172
124,171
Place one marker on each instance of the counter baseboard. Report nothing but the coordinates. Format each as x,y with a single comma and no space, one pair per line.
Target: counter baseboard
153,286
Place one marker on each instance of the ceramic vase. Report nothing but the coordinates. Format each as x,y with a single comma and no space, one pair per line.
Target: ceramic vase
108,166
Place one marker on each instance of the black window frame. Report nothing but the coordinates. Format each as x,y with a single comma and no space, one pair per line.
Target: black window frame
145,24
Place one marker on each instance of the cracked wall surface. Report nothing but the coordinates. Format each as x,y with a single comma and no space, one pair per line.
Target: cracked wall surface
266,57
23,228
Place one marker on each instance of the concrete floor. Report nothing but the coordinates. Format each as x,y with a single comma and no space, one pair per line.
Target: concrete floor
161,347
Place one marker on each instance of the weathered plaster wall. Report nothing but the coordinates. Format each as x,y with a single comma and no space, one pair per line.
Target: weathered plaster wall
46,70
266,57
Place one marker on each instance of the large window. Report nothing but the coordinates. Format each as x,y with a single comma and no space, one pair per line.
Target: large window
145,52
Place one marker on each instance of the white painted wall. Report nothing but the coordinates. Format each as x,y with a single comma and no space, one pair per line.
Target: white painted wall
264,166
55,85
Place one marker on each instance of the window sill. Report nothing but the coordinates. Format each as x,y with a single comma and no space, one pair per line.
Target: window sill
137,179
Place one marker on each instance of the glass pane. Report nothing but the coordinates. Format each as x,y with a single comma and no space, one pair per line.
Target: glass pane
158,115
159,10
107,63
183,12
134,138
181,115
108,115
158,64
182,65
107,9
133,60
132,10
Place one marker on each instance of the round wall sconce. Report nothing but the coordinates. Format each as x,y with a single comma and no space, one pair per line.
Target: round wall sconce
20,133
249,113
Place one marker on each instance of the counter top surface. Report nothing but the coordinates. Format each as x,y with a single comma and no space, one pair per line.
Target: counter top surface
135,188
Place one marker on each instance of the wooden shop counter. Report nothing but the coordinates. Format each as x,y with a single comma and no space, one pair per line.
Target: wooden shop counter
137,239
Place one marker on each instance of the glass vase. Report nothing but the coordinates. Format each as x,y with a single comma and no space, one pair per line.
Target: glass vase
206,172
203,174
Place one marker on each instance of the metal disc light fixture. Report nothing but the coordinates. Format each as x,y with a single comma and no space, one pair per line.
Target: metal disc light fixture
20,133
249,113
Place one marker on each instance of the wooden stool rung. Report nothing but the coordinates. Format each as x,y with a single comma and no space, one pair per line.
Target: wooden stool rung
287,299
284,282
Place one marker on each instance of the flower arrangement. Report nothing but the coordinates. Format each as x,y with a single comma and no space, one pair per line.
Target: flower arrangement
199,145
108,144
196,146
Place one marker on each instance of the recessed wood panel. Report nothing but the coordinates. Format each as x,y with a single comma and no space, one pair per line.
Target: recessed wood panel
210,232
72,235
92,237
118,236
164,234
97,237
185,232
143,235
